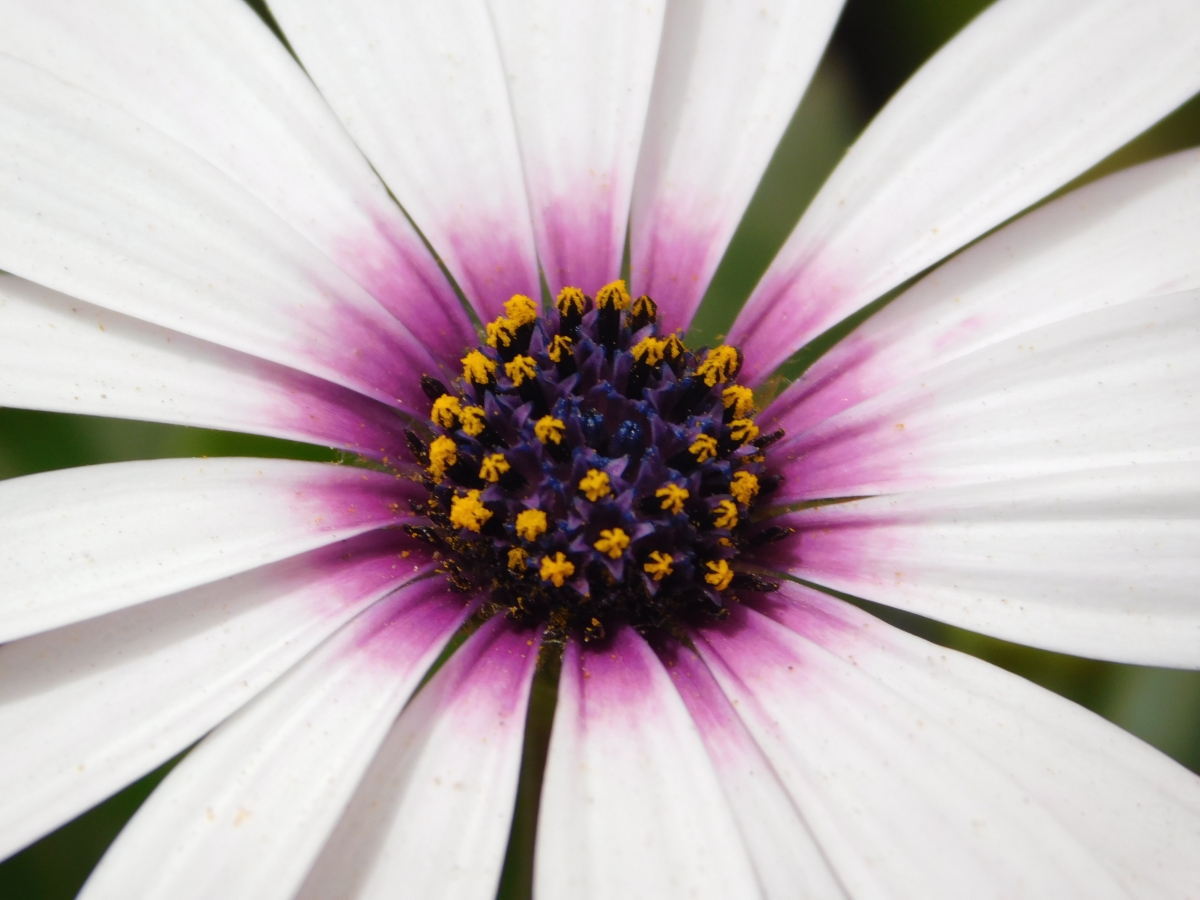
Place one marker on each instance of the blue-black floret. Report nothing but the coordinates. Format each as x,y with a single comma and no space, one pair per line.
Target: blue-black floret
586,471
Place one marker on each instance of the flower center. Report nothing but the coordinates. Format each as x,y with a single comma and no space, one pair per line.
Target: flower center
587,471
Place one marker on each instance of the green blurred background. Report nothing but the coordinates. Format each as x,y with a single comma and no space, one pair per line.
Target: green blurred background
877,45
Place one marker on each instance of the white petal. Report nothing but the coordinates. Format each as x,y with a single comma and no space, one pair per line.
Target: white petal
1027,96
1114,387
432,815
1097,563
729,77
61,354
902,805
246,813
786,857
631,805
211,75
1135,808
88,708
1126,237
81,542
421,88
164,236
579,80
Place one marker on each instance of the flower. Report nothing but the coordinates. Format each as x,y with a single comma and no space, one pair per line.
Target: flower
195,235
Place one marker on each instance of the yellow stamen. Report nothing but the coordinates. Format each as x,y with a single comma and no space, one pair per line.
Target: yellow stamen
516,558
520,368
721,364
674,349
595,485
743,430
502,331
521,310
725,515
673,496
531,524
494,465
704,447
557,570
442,455
477,368
549,430
725,542
570,300
468,512
613,294
659,565
649,351
613,541
473,420
720,574
741,398
446,410
744,487
560,344
645,308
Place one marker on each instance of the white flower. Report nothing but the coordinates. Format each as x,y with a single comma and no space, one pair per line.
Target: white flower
197,234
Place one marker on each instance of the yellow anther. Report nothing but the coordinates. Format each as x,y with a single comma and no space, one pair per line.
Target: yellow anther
704,447
613,294
743,430
672,497
549,430
719,574
721,364
442,455
570,300
446,410
595,485
501,332
516,558
560,345
741,398
468,512
557,569
744,487
725,515
520,368
659,565
649,351
645,308
613,541
477,368
674,349
473,419
531,524
521,310
725,542
494,465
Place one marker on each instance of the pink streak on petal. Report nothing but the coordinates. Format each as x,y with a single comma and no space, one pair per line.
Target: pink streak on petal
822,619
612,678
782,314
343,497
831,544
581,244
831,384
495,266
334,415
404,627
674,263
854,455
702,696
399,272
362,566
498,665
